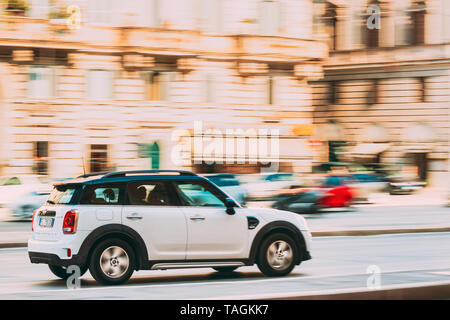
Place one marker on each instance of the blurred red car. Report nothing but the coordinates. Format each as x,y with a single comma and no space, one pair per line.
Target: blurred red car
337,197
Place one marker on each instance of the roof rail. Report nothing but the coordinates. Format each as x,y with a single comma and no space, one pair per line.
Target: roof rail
87,175
124,173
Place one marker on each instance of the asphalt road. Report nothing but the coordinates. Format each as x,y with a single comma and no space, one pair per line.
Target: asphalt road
338,263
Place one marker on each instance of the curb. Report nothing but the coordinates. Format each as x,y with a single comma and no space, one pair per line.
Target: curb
426,291
376,232
13,245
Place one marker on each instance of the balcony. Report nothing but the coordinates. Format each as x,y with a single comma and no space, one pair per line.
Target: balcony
404,55
39,33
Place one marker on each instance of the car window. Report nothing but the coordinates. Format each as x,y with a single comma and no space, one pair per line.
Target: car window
101,195
14,181
150,193
61,195
198,194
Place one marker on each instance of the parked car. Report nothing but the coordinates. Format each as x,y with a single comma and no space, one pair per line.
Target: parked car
228,183
371,182
266,186
404,184
116,223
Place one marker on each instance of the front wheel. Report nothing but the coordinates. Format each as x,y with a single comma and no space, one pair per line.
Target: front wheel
278,255
112,262
61,272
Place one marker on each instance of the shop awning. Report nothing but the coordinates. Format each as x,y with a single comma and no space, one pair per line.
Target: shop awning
369,149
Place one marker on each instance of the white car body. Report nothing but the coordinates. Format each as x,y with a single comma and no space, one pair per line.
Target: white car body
227,237
164,236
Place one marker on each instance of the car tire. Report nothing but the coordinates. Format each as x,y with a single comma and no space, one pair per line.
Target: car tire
278,255
113,261
61,272
225,269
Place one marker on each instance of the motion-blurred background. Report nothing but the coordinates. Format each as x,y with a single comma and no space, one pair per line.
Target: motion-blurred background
95,85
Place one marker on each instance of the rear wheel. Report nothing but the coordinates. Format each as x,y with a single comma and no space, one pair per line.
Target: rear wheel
278,255
61,272
112,262
225,269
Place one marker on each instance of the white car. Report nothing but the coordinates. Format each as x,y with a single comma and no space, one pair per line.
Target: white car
12,188
266,186
116,223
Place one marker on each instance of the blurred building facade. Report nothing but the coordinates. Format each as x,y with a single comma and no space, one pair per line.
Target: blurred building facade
385,97
101,85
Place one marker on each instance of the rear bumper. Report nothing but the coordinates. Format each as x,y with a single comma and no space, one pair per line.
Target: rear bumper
53,259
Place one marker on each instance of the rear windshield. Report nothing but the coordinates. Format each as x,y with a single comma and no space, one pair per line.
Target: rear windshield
61,194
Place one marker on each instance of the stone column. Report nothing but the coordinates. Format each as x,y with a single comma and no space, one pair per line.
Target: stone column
343,28
434,21
387,32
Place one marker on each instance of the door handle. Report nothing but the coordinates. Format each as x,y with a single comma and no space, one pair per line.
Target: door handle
134,216
197,218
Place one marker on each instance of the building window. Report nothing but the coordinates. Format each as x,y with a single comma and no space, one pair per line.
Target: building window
373,93
99,158
422,89
333,96
41,83
158,85
270,22
40,157
330,21
99,11
210,89
270,97
418,20
372,35
99,85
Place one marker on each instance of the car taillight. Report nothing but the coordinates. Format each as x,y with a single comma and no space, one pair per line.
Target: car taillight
70,221
32,220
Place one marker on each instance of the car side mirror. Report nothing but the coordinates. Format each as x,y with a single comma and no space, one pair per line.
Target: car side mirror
230,204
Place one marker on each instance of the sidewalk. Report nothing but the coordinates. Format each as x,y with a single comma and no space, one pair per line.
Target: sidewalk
426,196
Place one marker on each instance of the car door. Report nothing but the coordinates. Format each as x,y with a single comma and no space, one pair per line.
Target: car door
150,209
212,233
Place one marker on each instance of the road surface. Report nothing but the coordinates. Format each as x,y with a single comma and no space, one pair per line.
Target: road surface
338,263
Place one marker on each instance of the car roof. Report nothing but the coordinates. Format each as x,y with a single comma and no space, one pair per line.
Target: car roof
136,175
